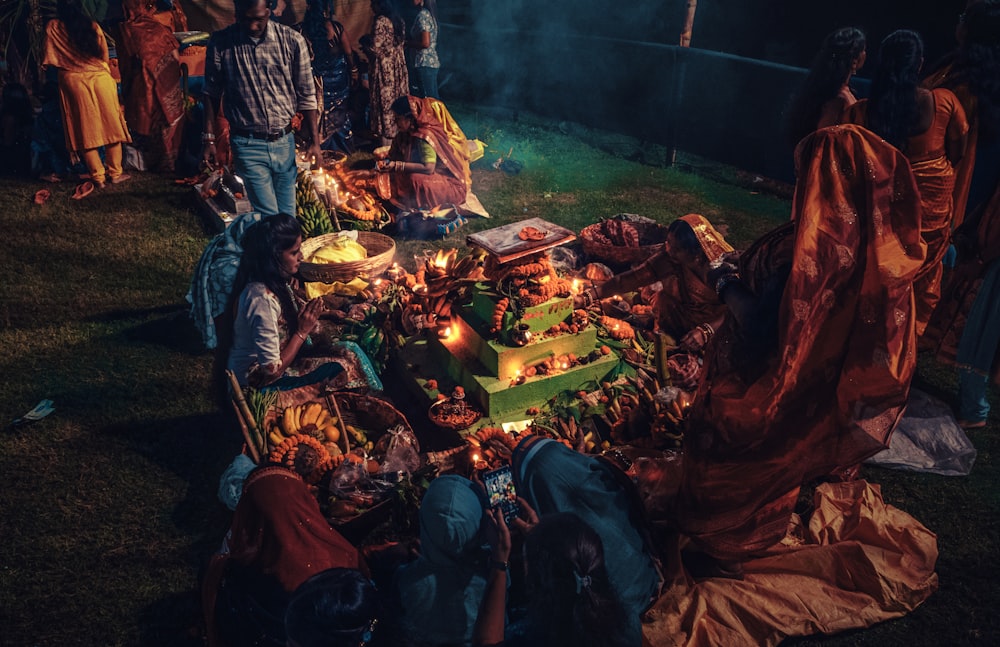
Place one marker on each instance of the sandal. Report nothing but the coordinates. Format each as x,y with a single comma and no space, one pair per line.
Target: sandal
83,190
971,424
50,177
42,196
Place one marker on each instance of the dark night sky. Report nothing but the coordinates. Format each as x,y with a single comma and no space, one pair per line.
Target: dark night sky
782,31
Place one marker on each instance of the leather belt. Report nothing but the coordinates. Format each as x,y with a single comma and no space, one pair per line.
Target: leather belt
271,137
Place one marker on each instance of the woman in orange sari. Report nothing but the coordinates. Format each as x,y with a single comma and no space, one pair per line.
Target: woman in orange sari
686,308
810,370
151,73
425,167
929,126
92,116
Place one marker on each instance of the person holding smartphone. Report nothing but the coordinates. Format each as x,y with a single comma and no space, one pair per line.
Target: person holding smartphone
440,591
570,597
553,478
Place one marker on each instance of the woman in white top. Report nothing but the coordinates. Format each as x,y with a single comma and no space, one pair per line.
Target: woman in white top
270,329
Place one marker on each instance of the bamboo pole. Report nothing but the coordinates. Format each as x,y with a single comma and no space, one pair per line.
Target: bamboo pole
688,28
247,424
345,442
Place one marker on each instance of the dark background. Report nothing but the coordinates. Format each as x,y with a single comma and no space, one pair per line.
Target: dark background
780,31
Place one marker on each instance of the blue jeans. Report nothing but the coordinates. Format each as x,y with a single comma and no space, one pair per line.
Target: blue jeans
972,403
268,171
426,84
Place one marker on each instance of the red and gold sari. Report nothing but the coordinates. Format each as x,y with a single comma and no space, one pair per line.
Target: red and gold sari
449,183
154,102
685,301
833,384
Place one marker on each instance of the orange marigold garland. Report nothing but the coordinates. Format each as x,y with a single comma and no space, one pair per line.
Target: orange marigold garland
305,455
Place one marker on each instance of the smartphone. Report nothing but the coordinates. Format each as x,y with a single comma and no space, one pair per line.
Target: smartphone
500,490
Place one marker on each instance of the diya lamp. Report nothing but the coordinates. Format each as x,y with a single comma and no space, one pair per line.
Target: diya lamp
445,331
394,272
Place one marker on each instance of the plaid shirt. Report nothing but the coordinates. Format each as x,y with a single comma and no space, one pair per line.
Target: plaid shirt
263,85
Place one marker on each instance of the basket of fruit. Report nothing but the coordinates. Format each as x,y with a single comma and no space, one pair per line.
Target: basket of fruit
623,241
337,257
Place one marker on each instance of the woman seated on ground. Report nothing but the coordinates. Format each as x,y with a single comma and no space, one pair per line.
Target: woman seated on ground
427,164
441,589
570,597
826,91
686,308
273,324
278,540
553,478
338,607
810,371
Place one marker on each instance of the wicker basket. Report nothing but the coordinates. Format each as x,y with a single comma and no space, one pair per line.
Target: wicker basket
380,247
651,239
371,413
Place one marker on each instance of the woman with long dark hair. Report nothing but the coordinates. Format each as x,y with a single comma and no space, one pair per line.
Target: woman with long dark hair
273,323
334,66
388,76
571,600
92,116
826,92
930,128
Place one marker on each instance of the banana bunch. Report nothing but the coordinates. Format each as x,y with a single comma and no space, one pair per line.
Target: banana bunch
360,437
310,419
309,210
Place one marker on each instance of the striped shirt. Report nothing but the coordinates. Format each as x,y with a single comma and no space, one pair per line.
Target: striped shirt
265,83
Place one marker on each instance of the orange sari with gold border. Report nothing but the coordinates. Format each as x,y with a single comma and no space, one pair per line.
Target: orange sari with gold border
831,389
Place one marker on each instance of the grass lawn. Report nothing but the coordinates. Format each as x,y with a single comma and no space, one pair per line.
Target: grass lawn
108,506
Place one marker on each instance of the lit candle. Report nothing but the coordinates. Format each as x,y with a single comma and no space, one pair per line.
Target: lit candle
576,286
445,333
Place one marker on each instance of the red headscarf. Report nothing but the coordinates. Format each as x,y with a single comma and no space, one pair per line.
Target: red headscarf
278,530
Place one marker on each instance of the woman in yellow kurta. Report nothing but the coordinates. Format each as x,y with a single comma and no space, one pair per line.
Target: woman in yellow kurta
92,115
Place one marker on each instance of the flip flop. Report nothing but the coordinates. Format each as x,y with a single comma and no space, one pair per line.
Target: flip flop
42,196
83,190
50,177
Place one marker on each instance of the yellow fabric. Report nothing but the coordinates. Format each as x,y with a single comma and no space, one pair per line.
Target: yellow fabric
339,250
353,288
92,115
112,157
859,562
456,137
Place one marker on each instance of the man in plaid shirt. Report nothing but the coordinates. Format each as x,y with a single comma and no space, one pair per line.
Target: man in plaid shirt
263,71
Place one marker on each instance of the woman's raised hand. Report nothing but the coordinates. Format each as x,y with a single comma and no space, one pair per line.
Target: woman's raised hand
309,315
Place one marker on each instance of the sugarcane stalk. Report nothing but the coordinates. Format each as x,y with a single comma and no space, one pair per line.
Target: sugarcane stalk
247,424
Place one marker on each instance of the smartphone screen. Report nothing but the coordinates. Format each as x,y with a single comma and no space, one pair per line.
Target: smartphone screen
500,490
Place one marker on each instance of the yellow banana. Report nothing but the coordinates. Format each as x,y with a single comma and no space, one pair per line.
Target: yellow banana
275,437
288,421
323,419
310,412
297,417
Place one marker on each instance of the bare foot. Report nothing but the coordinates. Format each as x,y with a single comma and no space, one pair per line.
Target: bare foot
124,177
